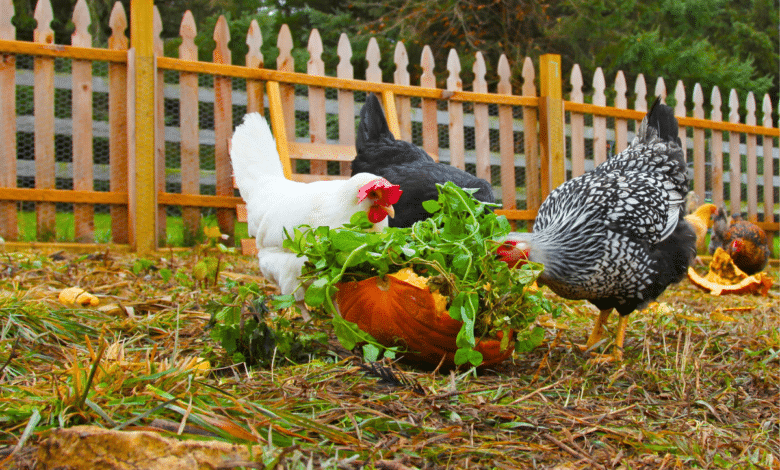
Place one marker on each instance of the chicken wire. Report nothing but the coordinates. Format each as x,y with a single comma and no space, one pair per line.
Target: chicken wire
63,144
172,144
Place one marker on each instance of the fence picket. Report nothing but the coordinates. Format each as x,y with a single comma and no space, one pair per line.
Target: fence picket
43,98
716,158
621,124
317,132
83,214
159,124
286,63
599,122
752,161
373,58
430,127
506,138
680,111
189,125
640,89
660,89
734,157
403,104
254,59
699,162
455,110
533,185
117,123
346,100
769,188
481,120
223,126
9,229
577,124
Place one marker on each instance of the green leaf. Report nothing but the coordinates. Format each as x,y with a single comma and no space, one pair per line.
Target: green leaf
530,341
431,206
370,352
315,293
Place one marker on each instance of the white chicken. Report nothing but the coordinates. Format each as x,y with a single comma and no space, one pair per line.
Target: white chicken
275,203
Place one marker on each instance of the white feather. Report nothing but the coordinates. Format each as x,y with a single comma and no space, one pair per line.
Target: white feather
275,203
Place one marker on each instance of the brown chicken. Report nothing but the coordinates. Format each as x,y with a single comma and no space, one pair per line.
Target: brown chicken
701,220
747,245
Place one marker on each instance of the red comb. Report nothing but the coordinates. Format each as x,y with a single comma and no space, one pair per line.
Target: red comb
389,193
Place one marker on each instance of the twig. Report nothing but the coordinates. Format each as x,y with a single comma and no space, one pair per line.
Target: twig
574,452
11,356
538,390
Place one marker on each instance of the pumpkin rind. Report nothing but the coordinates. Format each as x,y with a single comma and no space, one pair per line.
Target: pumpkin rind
396,312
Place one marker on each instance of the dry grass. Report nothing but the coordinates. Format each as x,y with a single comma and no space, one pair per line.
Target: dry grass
699,386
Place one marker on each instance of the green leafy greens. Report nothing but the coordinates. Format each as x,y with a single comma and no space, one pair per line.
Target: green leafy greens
455,248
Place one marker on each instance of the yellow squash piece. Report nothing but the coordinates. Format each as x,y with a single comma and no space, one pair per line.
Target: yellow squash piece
78,296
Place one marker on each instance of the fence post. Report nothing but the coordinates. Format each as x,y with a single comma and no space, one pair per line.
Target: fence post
143,190
551,122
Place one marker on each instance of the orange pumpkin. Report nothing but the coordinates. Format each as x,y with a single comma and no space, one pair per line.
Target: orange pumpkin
396,312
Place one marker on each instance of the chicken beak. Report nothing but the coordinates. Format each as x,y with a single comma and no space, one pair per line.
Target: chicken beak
390,211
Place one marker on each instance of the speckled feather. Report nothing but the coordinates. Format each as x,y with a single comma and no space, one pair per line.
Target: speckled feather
616,235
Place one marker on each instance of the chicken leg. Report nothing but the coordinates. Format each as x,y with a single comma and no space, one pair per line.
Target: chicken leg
598,332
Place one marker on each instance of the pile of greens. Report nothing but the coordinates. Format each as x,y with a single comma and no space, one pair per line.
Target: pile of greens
455,248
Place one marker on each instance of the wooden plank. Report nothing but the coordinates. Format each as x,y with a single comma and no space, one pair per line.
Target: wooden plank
551,123
304,178
143,186
170,63
62,195
481,122
248,246
319,151
317,113
241,215
699,156
517,214
199,200
403,103
117,124
599,122
9,229
56,50
279,126
254,59
69,247
189,125
506,138
81,94
285,62
430,126
388,99
346,99
716,146
735,159
533,164
621,102
161,218
577,124
751,145
608,111
43,97
223,128
456,140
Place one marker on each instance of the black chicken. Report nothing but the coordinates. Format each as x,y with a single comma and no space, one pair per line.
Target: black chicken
616,236
406,165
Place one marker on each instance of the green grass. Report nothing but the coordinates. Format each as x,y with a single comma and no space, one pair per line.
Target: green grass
65,231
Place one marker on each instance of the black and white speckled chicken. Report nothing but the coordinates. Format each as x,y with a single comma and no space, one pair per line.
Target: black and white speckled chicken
616,236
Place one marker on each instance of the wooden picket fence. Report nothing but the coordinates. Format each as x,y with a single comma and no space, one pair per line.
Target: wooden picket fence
525,143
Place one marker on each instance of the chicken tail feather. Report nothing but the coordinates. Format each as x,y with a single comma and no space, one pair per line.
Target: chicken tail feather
253,154
660,121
